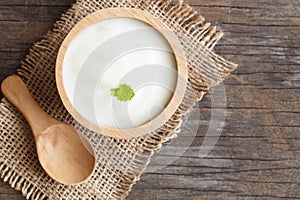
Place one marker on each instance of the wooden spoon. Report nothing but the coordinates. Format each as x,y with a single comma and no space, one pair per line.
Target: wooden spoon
61,152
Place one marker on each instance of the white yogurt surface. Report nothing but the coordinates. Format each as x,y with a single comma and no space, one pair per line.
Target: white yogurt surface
113,52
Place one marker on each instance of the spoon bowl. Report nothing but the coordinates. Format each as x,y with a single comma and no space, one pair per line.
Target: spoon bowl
63,152
60,144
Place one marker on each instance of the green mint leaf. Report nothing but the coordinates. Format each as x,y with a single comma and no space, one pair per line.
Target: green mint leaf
114,92
123,93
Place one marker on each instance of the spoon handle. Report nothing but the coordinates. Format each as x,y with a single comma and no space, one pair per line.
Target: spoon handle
15,90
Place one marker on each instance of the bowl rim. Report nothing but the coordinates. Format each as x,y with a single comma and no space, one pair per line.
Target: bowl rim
182,71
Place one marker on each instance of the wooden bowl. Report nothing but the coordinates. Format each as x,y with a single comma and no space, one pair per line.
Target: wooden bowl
75,104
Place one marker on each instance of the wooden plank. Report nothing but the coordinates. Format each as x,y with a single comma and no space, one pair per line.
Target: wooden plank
36,3
7,193
33,13
242,93
263,4
257,155
20,36
260,137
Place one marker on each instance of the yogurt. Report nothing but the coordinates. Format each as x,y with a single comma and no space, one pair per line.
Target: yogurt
116,51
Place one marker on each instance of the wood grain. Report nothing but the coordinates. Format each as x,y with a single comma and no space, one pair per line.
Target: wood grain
257,155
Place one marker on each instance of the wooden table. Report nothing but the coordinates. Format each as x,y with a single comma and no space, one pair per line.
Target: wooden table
257,155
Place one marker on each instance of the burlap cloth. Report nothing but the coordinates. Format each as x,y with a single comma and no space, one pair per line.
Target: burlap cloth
120,162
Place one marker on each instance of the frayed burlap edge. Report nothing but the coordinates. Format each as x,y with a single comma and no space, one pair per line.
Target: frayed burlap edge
19,183
179,17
